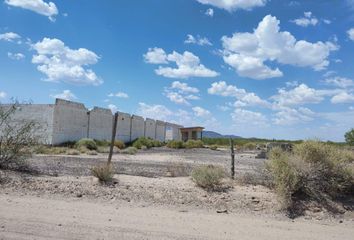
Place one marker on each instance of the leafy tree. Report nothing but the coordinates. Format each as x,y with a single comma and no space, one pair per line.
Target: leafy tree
16,136
349,137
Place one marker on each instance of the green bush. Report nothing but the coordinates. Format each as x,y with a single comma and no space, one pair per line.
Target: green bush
103,172
249,146
175,144
88,143
208,177
147,142
130,150
102,143
214,147
194,144
349,137
119,144
314,170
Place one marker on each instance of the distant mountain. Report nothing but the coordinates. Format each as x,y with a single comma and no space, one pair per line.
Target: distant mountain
211,134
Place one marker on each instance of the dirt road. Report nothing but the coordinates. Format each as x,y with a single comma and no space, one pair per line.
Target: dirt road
30,217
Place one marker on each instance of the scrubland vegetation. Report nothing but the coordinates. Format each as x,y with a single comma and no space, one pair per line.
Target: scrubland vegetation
208,177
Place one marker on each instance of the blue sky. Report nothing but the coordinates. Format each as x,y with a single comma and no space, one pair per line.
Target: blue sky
254,68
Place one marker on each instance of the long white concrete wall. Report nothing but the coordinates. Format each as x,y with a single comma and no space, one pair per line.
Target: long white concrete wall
123,127
137,128
70,121
150,127
100,123
41,114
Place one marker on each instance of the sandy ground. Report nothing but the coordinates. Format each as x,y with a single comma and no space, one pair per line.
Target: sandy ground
64,202
27,217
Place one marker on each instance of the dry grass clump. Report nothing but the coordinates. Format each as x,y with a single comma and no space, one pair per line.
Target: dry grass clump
249,146
42,149
73,152
175,144
194,144
177,170
119,144
130,151
103,172
88,143
146,143
214,147
92,152
313,171
208,177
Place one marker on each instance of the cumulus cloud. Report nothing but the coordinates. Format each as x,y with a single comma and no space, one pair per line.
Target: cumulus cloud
291,116
9,36
156,56
119,95
113,108
188,65
155,111
247,52
340,82
343,97
201,112
180,93
2,94
243,97
232,5
209,12
307,20
39,6
66,95
15,56
201,41
60,63
350,33
243,117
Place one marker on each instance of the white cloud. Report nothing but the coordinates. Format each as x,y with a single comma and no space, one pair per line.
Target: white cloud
291,116
340,82
60,63
201,112
3,94
180,93
188,65
66,95
247,52
184,87
292,84
39,6
156,56
154,111
343,97
307,20
9,36
351,33
243,97
119,95
327,21
245,117
232,5
209,12
15,56
202,41
299,95
113,108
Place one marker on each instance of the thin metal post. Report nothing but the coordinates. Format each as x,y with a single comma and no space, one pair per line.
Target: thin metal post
114,130
232,158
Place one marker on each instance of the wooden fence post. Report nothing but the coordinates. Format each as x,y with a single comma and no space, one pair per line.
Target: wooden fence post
114,130
232,158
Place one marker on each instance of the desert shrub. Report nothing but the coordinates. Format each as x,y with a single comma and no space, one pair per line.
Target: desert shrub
130,150
103,172
208,177
88,143
194,144
73,152
249,146
91,152
314,170
41,149
102,143
214,147
175,144
16,138
349,137
147,142
119,144
177,169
